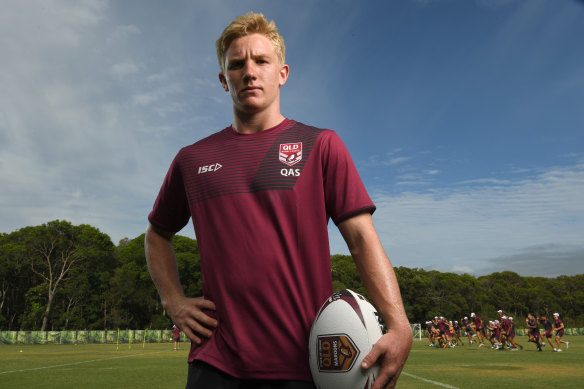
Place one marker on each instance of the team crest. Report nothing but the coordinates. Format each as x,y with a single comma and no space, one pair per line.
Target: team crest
336,353
291,153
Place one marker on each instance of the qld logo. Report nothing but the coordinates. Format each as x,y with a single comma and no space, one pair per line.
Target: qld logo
337,353
290,153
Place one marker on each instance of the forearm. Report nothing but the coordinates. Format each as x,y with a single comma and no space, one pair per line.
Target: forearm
392,349
376,271
187,313
162,265
380,281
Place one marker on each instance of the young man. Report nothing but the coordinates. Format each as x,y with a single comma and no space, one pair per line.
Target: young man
466,324
547,328
260,193
430,329
558,326
176,336
457,333
479,330
512,334
494,329
533,330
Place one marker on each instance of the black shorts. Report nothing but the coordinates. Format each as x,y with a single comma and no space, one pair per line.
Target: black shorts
202,376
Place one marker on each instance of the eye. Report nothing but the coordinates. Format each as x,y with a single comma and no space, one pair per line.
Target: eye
233,65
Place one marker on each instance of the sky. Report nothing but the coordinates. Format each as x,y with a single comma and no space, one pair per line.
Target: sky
465,118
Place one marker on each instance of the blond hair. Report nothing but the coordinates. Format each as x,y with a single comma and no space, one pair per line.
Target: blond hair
250,23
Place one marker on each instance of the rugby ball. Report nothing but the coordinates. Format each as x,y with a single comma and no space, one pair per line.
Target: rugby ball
344,331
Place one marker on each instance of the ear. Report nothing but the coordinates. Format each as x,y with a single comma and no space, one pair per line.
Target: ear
284,72
223,81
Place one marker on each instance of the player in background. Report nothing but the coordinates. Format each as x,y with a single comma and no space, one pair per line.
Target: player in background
506,334
451,333
176,336
533,330
505,326
260,194
436,330
448,331
457,333
495,329
559,329
442,339
548,331
479,330
430,329
466,324
511,335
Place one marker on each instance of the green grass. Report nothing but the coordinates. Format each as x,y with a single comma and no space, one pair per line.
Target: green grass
93,366
473,367
158,366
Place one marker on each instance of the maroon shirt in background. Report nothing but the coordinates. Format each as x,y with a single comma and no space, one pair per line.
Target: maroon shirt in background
260,205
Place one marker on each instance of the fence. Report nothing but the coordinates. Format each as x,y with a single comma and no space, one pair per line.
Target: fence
83,337
142,336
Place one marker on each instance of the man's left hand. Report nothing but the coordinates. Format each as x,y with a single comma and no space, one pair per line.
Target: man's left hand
391,352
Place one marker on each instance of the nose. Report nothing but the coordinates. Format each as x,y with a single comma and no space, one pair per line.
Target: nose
249,70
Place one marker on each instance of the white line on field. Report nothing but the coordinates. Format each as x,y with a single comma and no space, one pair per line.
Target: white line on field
78,363
429,381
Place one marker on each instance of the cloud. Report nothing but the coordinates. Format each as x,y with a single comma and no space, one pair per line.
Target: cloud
391,158
121,70
88,110
551,260
486,225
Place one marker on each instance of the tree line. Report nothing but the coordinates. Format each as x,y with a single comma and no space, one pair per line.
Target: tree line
59,276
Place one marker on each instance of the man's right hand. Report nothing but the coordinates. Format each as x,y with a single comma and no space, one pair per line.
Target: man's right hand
189,315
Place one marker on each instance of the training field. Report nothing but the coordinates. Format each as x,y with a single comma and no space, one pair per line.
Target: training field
158,366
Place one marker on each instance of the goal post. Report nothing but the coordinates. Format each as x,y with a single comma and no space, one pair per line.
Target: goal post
416,330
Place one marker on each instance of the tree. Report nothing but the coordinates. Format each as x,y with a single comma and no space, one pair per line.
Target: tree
133,297
61,276
345,275
14,281
57,249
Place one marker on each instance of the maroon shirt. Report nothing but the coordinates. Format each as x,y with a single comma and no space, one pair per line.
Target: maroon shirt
558,323
478,322
260,205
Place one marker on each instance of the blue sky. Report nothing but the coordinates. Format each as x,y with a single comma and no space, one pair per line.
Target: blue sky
464,117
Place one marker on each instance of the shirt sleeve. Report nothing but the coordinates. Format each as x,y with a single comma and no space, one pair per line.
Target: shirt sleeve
171,209
345,193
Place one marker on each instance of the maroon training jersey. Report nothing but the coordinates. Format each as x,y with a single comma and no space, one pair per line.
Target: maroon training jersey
478,322
260,205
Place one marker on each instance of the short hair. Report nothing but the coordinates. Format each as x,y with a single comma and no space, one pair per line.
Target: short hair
250,23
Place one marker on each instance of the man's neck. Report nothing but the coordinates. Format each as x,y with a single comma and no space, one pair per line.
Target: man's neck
244,123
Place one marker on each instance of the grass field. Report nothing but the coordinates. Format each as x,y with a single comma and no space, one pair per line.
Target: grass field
158,366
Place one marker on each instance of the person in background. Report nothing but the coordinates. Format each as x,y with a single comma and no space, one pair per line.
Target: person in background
548,331
558,326
479,328
176,336
457,333
533,330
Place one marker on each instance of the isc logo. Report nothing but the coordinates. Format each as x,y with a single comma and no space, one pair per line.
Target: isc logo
209,168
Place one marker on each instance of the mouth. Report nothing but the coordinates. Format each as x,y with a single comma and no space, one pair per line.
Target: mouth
251,89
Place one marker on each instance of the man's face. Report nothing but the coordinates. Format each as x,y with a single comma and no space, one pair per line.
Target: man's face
253,75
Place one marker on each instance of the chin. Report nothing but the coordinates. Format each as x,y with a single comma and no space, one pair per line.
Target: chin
250,108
